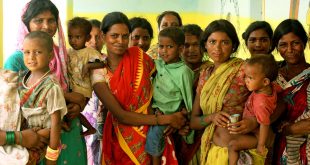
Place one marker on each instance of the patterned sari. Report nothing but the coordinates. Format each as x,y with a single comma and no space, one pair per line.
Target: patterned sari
131,85
295,95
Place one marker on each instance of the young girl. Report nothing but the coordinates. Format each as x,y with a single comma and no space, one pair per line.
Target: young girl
172,87
261,71
41,97
82,59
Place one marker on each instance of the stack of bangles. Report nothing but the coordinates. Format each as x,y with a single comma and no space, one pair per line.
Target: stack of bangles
52,154
10,137
203,120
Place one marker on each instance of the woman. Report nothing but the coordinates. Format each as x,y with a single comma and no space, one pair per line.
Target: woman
43,15
142,33
164,20
221,91
125,89
290,39
257,38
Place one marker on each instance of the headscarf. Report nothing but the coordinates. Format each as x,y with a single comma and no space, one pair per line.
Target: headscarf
58,65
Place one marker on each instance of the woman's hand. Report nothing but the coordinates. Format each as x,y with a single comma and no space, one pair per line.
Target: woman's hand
178,119
283,127
184,131
220,119
33,141
49,162
244,126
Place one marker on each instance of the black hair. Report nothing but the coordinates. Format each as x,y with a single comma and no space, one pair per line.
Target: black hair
95,23
192,29
138,22
222,26
36,7
161,16
287,26
42,36
80,22
268,65
114,18
174,33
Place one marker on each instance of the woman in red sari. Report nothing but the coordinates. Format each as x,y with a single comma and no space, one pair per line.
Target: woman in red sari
291,39
124,87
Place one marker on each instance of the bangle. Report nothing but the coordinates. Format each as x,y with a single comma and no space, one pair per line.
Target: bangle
10,137
52,154
202,120
20,137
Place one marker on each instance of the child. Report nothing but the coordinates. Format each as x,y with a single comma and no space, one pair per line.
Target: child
260,72
81,61
172,87
96,36
41,97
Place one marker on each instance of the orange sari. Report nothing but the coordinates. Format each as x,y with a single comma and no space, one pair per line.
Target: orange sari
131,86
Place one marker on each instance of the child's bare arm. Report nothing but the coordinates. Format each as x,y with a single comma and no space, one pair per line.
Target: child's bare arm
55,130
90,66
263,135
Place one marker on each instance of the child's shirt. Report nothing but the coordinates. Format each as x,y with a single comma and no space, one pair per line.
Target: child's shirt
172,86
41,100
262,105
77,59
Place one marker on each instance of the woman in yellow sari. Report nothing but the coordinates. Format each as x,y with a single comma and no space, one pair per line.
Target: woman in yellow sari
221,91
125,89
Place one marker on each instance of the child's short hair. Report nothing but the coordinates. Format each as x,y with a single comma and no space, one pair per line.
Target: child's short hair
174,33
81,23
268,64
46,39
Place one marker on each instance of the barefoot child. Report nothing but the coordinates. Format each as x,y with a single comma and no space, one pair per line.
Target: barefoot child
260,72
172,87
81,61
41,97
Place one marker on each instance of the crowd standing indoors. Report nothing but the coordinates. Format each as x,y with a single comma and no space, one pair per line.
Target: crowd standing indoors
188,99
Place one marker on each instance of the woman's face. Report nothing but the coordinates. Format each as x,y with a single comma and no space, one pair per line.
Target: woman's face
291,48
96,40
45,21
259,42
117,39
169,20
219,47
140,37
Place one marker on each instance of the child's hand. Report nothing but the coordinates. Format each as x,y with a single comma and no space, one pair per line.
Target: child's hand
85,70
89,131
49,162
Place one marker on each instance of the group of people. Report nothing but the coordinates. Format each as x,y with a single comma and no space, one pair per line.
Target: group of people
186,100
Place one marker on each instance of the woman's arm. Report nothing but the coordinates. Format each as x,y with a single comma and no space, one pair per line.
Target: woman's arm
199,122
299,128
75,104
176,120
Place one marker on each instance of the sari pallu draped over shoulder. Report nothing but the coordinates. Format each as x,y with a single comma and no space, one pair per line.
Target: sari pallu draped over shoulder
131,86
212,96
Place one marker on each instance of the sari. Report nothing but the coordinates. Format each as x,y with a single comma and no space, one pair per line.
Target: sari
212,96
130,84
295,96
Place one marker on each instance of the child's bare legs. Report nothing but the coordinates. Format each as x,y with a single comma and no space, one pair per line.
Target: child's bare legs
90,129
156,160
238,143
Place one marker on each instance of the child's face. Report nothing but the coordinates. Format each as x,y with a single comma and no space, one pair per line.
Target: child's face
168,50
77,38
36,55
96,40
254,78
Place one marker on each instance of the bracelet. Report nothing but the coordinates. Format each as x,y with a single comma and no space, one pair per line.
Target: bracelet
10,137
20,137
52,154
202,121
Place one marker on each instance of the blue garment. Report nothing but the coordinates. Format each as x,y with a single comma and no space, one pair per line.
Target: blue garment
155,143
15,62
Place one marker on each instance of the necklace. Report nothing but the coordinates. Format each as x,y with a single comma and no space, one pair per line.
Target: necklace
39,80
